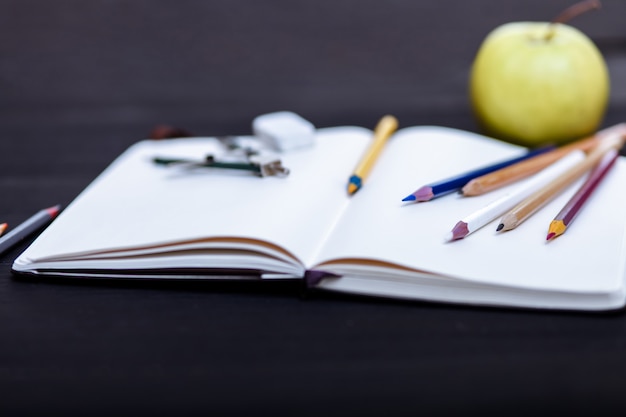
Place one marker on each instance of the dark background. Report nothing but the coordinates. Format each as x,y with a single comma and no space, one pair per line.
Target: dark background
80,80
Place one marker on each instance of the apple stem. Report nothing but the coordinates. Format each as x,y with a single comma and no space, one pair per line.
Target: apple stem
571,12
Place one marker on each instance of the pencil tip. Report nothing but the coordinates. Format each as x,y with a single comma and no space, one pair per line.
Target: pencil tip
354,184
500,227
54,210
409,197
424,194
556,228
459,231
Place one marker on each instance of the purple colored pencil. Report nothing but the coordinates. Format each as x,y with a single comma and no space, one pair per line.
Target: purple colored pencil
566,216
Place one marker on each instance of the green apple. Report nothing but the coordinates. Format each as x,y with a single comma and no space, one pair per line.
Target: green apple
534,83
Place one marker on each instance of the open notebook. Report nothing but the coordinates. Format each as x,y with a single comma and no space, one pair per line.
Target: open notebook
141,220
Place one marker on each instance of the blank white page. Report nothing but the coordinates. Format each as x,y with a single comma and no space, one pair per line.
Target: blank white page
136,203
589,257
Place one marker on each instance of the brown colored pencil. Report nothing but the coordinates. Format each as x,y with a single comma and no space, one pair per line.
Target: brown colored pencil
528,207
523,169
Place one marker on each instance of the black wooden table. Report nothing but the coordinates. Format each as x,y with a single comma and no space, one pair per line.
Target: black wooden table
81,81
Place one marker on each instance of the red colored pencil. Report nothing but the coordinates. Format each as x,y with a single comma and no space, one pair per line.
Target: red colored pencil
32,224
559,225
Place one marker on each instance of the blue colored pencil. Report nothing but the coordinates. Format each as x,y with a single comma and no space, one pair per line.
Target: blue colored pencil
437,189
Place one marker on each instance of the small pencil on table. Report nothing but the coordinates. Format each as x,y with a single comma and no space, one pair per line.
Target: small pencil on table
29,226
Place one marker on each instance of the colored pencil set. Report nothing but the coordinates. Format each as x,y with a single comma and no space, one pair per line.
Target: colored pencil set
549,171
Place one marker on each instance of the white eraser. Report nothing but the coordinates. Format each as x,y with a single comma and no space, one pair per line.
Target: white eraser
284,130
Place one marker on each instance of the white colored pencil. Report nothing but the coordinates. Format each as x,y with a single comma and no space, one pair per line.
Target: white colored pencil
497,207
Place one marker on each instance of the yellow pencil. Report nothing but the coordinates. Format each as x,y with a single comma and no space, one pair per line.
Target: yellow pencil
382,132
3,227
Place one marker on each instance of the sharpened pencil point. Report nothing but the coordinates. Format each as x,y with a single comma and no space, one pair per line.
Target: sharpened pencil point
459,231
354,184
500,227
423,194
3,227
556,228
54,210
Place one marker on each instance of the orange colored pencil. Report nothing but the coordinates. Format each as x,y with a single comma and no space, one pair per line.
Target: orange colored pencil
523,169
3,227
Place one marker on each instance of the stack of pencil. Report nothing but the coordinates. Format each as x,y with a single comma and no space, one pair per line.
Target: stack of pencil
549,172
